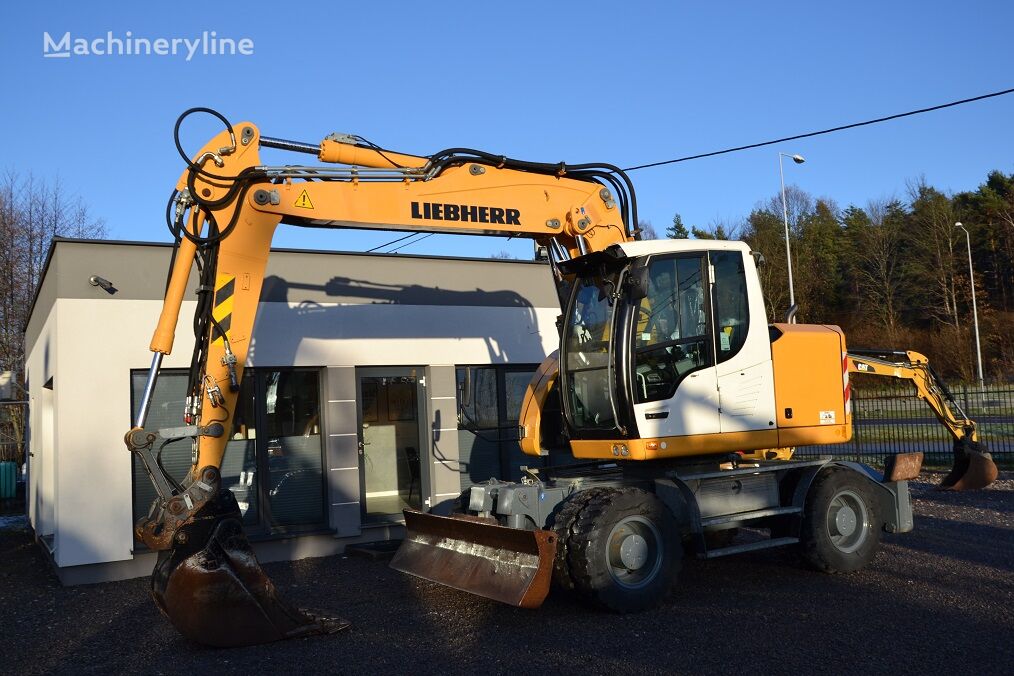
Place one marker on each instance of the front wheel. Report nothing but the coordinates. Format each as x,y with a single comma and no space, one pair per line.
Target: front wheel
841,530
624,551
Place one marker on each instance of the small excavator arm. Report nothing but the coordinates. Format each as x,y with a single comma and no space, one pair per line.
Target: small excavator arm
223,213
973,466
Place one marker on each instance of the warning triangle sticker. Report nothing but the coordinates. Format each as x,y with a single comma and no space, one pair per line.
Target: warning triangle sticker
303,200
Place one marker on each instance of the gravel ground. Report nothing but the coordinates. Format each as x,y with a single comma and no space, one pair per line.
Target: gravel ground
937,600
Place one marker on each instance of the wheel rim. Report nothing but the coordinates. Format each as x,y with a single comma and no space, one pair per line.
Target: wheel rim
848,521
634,552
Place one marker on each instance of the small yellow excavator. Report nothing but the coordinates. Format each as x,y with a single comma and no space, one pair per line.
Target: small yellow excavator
669,387
973,466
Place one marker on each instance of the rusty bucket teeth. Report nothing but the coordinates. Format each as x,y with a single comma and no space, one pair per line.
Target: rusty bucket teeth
509,565
215,593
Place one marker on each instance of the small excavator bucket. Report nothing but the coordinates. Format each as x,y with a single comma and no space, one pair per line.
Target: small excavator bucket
509,565
214,592
973,468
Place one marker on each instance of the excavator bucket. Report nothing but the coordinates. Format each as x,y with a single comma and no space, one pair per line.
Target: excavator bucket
509,565
973,468
214,592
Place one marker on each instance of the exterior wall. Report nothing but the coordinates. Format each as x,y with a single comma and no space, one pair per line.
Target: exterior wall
442,415
342,450
41,365
97,339
97,345
289,334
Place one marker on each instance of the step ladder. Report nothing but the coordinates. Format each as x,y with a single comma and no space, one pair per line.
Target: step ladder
739,519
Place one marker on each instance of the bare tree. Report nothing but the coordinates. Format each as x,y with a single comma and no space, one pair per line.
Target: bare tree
647,230
879,253
32,213
934,258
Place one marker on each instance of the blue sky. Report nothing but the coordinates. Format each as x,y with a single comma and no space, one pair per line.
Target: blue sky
625,83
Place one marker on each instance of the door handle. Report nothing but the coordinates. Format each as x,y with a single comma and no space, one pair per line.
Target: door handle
656,415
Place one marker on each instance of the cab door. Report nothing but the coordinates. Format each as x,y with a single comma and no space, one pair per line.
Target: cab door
742,345
674,378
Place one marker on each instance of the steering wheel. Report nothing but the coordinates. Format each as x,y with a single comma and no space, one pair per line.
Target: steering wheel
651,319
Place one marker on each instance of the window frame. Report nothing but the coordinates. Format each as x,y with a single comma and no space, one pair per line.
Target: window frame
719,357
708,339
261,529
506,431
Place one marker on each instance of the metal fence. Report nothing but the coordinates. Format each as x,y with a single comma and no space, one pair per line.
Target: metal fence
895,420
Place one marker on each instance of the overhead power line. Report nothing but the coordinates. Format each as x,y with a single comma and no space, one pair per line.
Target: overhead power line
750,146
393,241
823,131
398,248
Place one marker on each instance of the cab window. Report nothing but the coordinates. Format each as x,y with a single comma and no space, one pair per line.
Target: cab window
671,336
732,314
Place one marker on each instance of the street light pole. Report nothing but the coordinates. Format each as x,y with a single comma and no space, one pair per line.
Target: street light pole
975,310
798,159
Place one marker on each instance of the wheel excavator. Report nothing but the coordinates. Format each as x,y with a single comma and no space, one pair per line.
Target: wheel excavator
675,397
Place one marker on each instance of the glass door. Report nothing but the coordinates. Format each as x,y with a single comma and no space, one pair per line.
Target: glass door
391,471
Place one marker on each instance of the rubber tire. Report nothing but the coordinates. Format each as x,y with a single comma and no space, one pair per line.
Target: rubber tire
563,525
816,546
586,549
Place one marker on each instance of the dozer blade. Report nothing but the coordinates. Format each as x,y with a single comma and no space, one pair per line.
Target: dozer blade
212,589
509,565
973,468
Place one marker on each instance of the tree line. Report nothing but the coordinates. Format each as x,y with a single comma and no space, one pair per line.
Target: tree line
893,273
32,213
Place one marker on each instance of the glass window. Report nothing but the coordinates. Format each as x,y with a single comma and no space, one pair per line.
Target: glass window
515,387
493,450
671,331
732,314
587,338
166,410
287,449
293,447
482,411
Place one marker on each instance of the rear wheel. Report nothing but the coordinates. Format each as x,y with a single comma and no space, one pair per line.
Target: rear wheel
624,551
841,530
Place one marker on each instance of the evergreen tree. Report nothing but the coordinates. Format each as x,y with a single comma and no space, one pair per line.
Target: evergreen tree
677,230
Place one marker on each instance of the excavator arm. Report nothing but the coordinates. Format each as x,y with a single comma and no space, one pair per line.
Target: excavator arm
223,213
973,466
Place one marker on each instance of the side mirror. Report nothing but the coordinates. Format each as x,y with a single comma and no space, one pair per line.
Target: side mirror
637,281
758,258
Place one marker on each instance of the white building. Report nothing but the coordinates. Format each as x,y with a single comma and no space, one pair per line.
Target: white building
348,412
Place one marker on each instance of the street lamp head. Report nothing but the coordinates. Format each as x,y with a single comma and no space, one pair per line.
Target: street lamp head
958,225
798,159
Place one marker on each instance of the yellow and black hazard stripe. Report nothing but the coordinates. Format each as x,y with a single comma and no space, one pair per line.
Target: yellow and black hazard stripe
225,288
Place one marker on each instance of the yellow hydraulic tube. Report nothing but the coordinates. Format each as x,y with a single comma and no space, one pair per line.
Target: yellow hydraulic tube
336,152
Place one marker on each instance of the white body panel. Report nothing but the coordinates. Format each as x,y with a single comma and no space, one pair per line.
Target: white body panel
692,410
738,394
